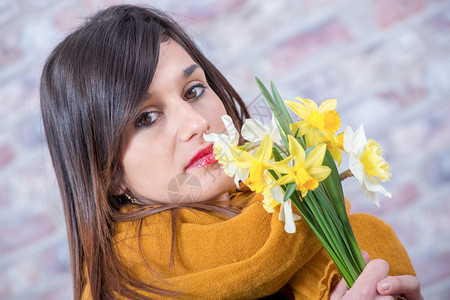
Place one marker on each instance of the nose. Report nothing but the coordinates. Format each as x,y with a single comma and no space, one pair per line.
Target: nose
191,123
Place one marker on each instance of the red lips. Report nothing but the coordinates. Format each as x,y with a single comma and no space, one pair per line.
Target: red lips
203,157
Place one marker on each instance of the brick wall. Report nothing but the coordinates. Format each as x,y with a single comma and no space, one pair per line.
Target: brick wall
386,61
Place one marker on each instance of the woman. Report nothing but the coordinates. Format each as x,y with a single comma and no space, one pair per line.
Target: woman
126,100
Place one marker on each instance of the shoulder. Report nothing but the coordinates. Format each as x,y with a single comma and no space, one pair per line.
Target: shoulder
380,240
370,226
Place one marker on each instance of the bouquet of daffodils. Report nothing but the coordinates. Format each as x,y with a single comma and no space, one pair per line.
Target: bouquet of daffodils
295,162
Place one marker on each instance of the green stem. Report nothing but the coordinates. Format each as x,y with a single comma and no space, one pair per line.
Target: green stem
332,236
313,223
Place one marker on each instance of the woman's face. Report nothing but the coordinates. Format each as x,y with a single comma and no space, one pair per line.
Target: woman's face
164,156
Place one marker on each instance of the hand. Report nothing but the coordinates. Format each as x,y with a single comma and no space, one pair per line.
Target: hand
373,283
407,286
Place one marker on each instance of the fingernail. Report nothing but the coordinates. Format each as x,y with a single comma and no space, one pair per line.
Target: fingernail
385,286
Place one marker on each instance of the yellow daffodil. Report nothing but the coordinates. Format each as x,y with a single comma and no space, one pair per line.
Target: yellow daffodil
314,119
273,196
306,172
334,145
366,163
257,164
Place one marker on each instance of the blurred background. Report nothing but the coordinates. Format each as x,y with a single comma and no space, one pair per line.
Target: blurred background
386,61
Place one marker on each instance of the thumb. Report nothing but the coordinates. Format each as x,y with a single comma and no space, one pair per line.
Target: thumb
366,256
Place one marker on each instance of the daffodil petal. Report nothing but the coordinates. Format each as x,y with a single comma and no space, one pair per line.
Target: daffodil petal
336,154
282,166
232,131
374,186
348,139
286,215
296,127
309,104
312,138
253,130
274,130
298,109
359,141
241,175
327,105
320,172
315,157
269,202
229,168
371,188
211,137
242,158
284,180
296,150
356,167
225,143
372,196
277,193
237,180
265,150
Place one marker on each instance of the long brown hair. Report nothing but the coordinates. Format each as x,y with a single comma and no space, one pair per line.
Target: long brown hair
91,86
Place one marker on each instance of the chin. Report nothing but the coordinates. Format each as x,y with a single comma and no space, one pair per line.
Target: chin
217,182
200,184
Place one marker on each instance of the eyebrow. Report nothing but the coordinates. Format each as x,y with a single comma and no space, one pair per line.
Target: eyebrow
189,70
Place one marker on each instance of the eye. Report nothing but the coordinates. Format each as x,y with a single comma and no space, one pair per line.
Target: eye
195,91
147,118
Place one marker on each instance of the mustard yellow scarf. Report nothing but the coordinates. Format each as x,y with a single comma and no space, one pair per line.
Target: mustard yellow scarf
247,256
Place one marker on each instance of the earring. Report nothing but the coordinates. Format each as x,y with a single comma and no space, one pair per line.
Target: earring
131,199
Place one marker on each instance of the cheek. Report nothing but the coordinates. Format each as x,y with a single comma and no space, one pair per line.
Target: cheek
148,177
140,161
215,113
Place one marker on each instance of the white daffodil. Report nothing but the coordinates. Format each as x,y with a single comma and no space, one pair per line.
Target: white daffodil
366,163
254,131
273,196
222,149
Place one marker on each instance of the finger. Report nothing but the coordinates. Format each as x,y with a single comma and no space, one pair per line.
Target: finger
374,272
406,285
340,289
366,256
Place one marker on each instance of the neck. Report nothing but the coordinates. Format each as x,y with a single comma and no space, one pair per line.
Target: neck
223,200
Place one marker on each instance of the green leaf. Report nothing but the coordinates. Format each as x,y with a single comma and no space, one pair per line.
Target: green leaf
280,104
278,108
274,174
333,238
277,150
276,153
289,191
351,248
334,188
